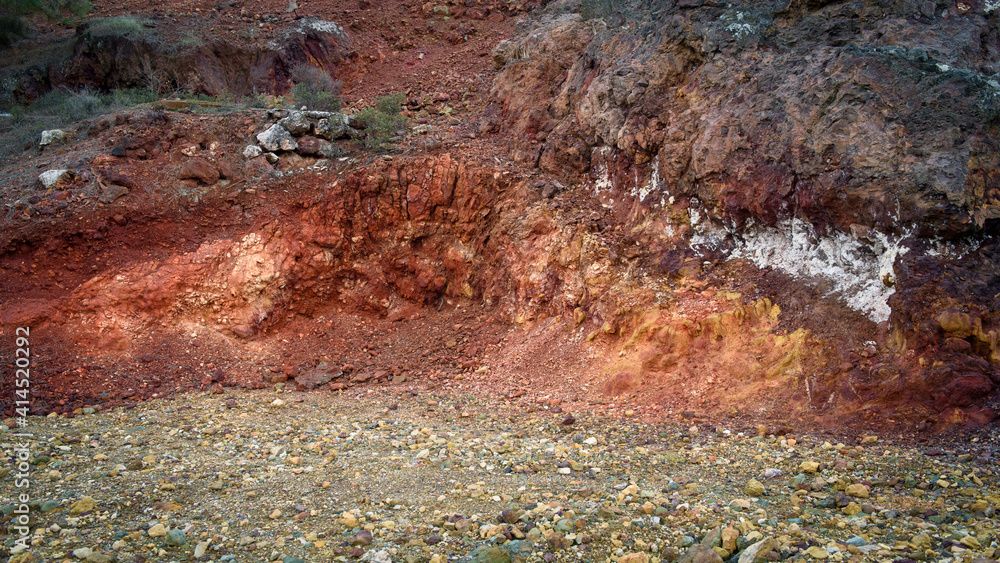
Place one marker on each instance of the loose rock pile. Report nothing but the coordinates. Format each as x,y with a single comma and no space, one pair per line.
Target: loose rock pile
306,133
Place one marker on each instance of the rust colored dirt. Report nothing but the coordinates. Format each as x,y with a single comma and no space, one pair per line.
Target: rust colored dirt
166,261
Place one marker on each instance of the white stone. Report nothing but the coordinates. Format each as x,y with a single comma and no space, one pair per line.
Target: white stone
276,138
51,136
199,550
859,270
373,556
82,553
50,178
321,26
296,123
252,151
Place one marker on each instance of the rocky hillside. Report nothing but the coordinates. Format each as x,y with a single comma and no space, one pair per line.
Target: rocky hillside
602,280
851,145
780,211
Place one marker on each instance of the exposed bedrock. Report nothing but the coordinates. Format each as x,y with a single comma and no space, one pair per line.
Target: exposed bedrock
105,59
852,145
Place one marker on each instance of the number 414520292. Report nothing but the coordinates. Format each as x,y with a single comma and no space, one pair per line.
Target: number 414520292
23,362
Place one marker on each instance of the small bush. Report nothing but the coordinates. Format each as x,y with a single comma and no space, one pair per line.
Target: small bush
321,100
11,27
314,89
60,108
382,121
391,104
262,101
314,77
119,26
12,24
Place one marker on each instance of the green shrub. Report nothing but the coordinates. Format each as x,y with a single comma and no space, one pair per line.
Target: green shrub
63,107
60,108
257,100
11,27
391,104
382,120
12,24
320,100
119,26
314,89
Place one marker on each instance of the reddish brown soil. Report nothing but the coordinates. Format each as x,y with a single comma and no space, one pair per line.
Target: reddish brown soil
432,341
400,45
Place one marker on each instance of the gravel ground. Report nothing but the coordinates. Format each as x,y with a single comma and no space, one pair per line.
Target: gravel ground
402,475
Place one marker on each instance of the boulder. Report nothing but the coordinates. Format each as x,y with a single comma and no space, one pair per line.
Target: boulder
486,554
51,136
252,151
699,553
50,178
310,146
296,123
225,169
112,192
757,552
198,169
314,378
276,138
332,127
377,556
112,177
754,488
857,490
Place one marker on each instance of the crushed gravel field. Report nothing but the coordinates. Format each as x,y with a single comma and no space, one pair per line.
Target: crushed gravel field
400,474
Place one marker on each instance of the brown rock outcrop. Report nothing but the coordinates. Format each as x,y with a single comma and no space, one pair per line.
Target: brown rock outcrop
788,133
198,169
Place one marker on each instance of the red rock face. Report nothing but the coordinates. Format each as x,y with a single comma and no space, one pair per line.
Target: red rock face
963,391
630,137
391,231
800,131
753,115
